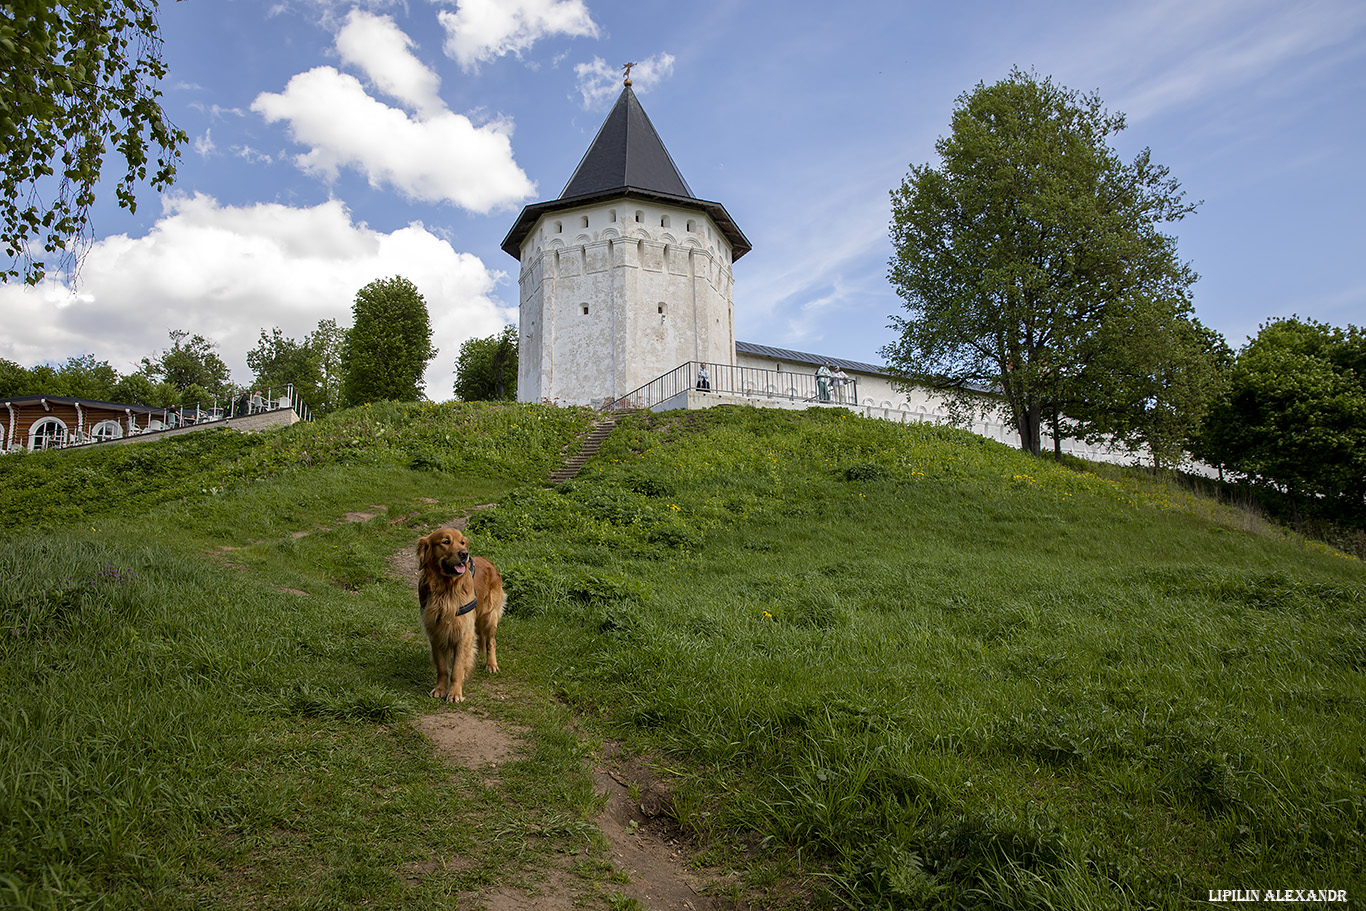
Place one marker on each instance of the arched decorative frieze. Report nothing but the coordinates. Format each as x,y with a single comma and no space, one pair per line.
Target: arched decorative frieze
608,233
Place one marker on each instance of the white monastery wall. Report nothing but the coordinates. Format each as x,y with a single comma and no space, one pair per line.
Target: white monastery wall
879,398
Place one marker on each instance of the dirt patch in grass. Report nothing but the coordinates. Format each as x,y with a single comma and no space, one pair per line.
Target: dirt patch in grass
645,844
645,841
468,740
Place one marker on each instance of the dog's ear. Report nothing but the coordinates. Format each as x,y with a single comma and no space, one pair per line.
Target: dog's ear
422,546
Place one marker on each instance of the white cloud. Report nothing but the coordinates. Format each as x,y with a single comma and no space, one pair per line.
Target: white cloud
204,144
380,49
227,272
482,30
216,112
600,82
433,158
254,156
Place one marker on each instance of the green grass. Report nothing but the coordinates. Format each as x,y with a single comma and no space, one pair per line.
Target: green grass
944,674
879,666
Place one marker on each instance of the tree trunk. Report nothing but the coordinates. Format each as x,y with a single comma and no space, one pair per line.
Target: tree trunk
1057,437
1028,419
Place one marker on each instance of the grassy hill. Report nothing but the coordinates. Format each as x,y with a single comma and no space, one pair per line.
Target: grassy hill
878,666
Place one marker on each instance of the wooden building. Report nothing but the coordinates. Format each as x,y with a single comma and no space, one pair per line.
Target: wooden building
52,421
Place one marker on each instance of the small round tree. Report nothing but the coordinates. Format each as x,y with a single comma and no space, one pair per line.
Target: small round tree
486,369
389,345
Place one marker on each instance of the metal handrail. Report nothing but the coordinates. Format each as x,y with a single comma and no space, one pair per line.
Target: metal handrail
241,403
730,379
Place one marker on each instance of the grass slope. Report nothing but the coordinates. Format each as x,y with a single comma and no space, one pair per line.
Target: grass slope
900,666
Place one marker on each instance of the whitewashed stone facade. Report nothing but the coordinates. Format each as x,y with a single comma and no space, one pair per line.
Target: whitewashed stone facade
878,397
616,293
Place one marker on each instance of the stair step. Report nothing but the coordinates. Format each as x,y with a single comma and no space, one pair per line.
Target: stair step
588,447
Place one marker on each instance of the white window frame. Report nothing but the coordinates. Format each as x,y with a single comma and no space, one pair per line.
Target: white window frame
100,432
38,430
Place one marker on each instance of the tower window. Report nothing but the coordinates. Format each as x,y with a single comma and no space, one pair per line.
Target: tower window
559,227
583,221
585,309
612,216
640,216
692,226
664,222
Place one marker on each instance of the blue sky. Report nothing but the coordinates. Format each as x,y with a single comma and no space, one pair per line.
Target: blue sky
333,143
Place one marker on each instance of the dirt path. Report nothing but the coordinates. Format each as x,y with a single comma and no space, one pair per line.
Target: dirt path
644,841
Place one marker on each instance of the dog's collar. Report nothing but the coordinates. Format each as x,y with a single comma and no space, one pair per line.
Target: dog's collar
469,567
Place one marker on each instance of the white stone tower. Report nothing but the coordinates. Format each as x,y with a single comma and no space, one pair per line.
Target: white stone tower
626,275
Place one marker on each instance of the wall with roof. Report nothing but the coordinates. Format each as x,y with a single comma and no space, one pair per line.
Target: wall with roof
50,422
879,398
609,305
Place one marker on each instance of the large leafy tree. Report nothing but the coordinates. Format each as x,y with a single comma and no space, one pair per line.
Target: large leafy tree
191,365
389,344
1294,415
486,369
1152,374
15,380
278,361
78,81
86,378
138,389
1029,238
328,341
80,377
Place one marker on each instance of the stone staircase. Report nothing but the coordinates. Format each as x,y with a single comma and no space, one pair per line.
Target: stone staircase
588,447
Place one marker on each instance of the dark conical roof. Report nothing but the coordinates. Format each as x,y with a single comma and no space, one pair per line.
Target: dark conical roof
626,158
627,153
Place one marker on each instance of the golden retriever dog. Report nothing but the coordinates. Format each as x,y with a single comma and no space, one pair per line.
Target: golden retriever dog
459,596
